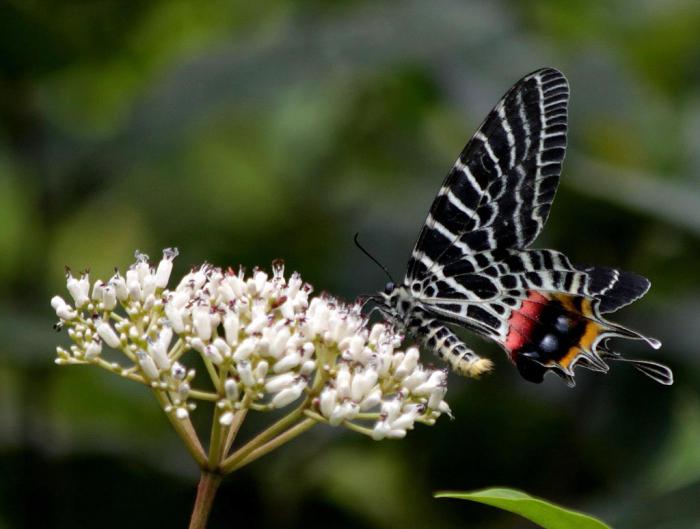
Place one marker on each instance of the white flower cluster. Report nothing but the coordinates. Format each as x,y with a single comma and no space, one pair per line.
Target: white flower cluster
264,343
370,374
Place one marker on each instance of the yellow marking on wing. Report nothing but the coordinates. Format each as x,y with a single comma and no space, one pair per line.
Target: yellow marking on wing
587,308
567,302
585,342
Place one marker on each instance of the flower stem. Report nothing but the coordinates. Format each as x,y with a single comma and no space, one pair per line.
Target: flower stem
278,441
185,430
238,419
261,438
203,395
215,440
206,490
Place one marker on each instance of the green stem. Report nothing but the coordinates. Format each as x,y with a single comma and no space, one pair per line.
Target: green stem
238,419
215,440
278,441
185,430
177,350
262,438
212,371
119,370
358,428
206,491
203,395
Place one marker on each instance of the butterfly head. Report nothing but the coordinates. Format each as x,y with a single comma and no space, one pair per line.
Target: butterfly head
394,302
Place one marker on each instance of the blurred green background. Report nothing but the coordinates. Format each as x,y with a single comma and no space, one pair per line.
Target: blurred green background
245,131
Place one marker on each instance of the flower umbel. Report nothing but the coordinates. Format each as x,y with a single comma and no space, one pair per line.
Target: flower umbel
265,344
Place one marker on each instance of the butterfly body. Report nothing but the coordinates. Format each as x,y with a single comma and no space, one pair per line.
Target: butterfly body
472,266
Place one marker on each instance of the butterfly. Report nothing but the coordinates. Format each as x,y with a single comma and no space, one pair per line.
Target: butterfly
472,266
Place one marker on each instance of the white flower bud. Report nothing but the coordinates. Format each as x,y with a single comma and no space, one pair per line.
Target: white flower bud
414,379
362,383
443,407
409,362
342,383
436,398
308,349
78,290
182,413
293,285
308,367
356,344
327,401
165,267
380,430
57,302
436,380
109,297
133,284
178,371
256,325
165,337
198,345
279,382
246,373
372,400
396,434
97,290
202,322
222,346
279,343
288,395
231,328
405,421
107,334
344,411
226,419
119,285
159,355
63,310
93,349
287,310
391,410
147,365
245,349
148,286
261,370
259,278
175,317
213,354
231,390
287,362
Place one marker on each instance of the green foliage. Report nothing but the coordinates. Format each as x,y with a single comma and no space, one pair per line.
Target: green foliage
541,512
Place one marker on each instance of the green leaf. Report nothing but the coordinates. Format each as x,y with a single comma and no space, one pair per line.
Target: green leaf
545,514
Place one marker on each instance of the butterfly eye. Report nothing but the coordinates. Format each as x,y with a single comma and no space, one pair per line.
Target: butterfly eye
389,287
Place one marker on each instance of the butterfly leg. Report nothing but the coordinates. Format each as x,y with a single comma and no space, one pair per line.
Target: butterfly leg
450,349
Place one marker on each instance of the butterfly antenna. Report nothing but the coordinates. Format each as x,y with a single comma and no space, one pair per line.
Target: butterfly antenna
380,265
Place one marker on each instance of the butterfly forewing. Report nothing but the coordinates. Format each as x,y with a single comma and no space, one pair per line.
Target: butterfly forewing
500,189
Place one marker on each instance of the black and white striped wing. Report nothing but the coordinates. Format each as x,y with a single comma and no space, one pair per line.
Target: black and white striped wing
500,190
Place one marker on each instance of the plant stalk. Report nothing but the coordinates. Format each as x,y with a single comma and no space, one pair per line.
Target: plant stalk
206,491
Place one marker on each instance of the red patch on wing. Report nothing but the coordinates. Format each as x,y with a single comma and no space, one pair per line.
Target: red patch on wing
522,321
